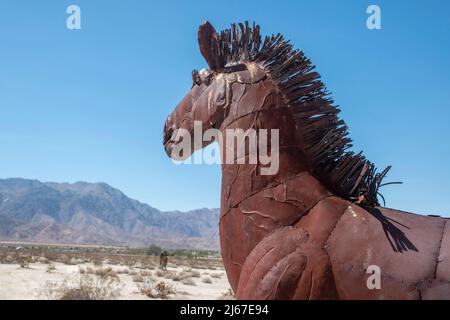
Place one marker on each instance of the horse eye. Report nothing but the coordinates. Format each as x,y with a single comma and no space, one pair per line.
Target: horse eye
196,80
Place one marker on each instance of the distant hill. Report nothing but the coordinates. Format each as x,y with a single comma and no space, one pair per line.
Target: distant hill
96,213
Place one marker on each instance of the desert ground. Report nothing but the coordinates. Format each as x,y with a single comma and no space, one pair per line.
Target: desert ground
74,273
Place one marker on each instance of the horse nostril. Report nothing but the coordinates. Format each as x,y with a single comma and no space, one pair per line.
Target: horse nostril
167,134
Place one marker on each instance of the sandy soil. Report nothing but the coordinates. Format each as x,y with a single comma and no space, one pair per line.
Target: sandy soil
28,283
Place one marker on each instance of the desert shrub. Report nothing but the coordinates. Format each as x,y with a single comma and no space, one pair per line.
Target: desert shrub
123,271
145,273
133,272
72,261
188,282
169,274
50,268
131,263
150,264
195,274
199,267
43,260
153,250
156,289
82,288
186,273
23,261
139,266
216,275
206,280
138,278
90,270
97,261
180,276
9,259
106,272
65,259
228,295
144,286
184,293
160,273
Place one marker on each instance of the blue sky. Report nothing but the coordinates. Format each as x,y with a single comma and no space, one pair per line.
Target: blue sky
90,104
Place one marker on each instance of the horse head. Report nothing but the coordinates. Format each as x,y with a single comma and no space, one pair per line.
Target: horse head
208,101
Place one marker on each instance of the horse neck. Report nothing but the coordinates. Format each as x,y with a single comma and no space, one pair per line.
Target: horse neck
261,107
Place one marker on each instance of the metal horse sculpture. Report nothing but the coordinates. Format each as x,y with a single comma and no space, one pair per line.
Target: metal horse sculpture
315,229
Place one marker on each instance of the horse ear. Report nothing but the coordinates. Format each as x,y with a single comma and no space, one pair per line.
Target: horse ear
208,41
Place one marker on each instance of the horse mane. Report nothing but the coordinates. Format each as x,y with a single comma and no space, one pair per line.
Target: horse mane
324,137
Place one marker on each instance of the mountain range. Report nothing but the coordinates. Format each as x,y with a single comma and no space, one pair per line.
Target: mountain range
96,213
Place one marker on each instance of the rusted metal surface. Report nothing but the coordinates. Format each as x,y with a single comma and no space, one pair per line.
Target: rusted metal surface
311,230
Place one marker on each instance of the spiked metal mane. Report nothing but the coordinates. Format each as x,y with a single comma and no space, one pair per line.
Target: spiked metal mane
321,132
